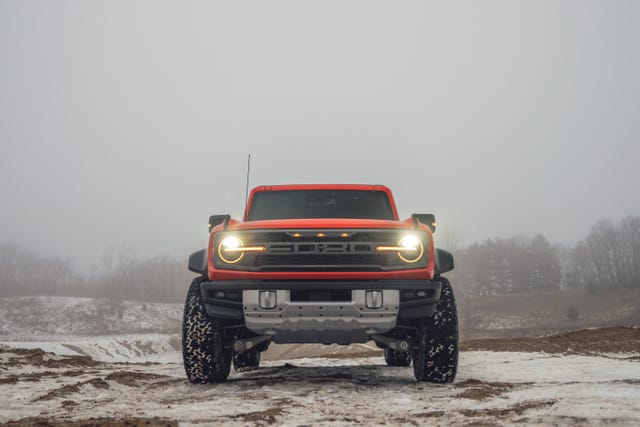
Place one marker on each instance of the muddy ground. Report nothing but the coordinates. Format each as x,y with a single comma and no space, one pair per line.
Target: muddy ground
583,377
586,342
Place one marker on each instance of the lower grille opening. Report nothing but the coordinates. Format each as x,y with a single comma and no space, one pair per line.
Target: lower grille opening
320,295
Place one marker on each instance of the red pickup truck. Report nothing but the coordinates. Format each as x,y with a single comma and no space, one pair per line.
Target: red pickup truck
320,264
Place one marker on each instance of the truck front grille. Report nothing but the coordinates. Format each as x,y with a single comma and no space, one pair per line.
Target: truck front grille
337,250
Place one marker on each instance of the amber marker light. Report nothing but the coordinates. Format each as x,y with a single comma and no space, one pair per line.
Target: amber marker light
297,235
345,235
320,235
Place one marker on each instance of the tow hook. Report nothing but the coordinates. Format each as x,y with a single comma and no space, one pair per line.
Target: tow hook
393,343
248,343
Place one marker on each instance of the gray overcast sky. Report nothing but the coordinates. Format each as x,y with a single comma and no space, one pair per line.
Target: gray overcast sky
129,122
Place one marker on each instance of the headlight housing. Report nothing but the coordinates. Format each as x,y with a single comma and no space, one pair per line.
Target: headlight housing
228,250
410,248
413,249
231,250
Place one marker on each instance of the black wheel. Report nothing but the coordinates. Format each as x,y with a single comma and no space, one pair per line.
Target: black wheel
397,358
246,360
435,357
205,358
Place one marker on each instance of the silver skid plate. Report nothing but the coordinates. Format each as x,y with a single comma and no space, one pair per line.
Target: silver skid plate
320,322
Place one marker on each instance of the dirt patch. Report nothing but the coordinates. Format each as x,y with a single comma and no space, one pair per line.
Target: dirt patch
479,390
68,389
166,383
620,339
431,414
100,422
37,357
268,416
354,355
38,376
69,403
516,409
629,381
23,351
133,379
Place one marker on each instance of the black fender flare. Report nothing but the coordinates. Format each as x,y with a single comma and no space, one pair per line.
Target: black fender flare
198,262
444,261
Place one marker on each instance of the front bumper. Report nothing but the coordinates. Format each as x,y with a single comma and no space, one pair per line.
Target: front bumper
243,306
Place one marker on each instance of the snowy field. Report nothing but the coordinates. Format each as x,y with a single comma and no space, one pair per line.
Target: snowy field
74,361
492,387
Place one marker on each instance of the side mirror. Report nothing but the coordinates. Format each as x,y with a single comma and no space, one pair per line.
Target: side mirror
444,261
218,219
427,219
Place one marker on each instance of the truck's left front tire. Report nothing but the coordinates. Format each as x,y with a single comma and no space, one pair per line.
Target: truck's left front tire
206,360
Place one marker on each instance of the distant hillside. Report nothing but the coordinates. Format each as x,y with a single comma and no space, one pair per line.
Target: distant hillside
528,314
44,318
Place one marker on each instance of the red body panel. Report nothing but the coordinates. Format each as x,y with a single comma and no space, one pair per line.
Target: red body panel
322,223
325,223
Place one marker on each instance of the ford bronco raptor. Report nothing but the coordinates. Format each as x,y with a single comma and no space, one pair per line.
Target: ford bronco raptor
320,264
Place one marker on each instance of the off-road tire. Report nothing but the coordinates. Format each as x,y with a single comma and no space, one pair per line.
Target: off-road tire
246,360
397,358
435,356
205,358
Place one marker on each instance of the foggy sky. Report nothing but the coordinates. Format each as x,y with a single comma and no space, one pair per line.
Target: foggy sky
129,123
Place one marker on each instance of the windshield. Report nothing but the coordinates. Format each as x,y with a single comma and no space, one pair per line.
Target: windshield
300,204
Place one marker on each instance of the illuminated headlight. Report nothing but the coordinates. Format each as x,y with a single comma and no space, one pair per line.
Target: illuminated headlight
413,249
231,250
410,249
410,242
231,243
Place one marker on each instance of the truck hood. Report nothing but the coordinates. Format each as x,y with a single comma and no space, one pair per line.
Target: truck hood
325,223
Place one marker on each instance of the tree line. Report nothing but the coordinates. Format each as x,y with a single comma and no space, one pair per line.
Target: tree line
121,276
609,257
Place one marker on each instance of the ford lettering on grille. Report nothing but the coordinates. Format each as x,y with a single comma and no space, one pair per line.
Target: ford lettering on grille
321,248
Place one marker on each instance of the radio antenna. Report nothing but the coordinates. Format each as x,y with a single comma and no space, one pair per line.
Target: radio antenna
246,192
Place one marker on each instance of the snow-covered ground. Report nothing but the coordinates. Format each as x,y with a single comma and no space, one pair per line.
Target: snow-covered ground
111,348
492,387
120,364
56,318
139,348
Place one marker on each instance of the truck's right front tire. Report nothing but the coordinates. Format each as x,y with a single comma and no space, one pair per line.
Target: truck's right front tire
435,356
205,357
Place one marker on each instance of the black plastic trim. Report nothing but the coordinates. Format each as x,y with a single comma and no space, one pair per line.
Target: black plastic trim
219,308
232,310
198,261
444,261
322,284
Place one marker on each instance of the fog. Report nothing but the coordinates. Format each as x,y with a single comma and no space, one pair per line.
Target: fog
129,123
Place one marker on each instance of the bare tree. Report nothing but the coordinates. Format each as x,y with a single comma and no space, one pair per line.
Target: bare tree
449,238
